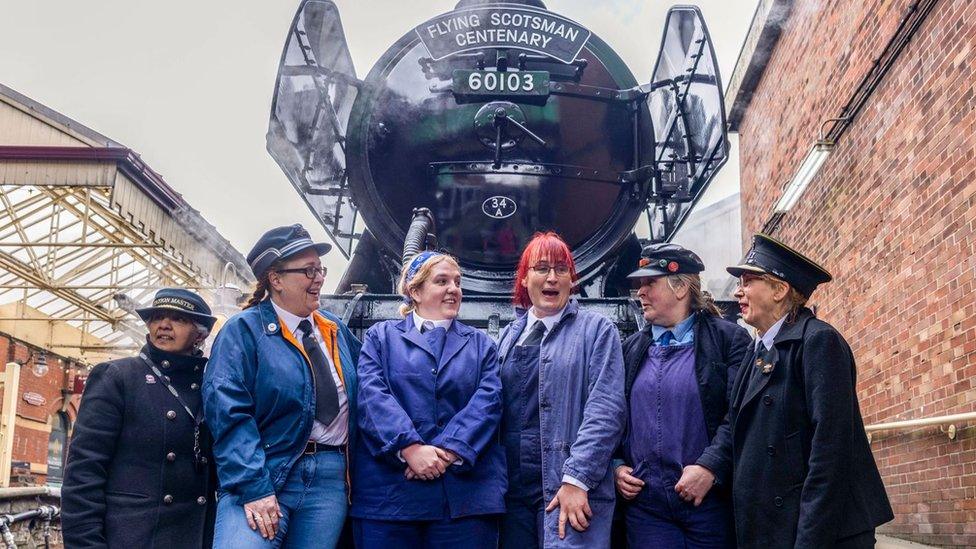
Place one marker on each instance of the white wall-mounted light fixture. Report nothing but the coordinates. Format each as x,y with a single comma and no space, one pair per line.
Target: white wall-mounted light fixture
39,367
804,175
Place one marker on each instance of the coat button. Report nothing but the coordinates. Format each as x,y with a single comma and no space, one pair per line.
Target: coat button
194,386
433,371
768,400
203,460
171,456
778,501
164,364
770,450
272,327
201,500
171,415
167,499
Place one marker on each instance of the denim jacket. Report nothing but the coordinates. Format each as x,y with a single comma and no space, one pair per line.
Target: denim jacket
259,398
581,414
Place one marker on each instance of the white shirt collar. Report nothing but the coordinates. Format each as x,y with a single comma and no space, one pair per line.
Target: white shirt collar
770,335
290,320
418,321
549,321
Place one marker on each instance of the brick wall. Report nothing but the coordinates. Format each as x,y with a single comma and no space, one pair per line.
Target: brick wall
32,432
892,214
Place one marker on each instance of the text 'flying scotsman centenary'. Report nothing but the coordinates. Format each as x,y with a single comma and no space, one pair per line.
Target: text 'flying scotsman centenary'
503,27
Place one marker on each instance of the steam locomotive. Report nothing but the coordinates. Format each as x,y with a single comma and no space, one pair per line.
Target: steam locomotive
483,125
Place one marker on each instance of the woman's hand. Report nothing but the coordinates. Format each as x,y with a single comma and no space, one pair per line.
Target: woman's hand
447,456
628,485
262,515
694,484
423,461
573,505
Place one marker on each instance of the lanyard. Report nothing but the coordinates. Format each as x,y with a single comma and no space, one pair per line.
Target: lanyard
198,459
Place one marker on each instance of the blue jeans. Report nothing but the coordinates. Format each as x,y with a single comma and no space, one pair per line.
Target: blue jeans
312,501
659,518
477,532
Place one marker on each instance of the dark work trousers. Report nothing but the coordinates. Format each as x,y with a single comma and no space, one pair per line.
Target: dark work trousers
659,518
521,526
477,532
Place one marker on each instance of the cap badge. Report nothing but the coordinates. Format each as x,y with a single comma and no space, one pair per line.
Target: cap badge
751,256
673,267
644,262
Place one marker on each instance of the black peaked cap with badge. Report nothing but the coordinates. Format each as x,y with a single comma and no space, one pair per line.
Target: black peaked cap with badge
770,256
667,259
280,243
180,301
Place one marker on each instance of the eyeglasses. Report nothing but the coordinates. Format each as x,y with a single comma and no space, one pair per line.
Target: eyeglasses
561,269
309,272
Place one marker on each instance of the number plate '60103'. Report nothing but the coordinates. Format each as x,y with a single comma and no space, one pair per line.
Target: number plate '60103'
495,83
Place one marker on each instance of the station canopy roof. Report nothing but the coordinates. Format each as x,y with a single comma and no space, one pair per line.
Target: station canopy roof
88,233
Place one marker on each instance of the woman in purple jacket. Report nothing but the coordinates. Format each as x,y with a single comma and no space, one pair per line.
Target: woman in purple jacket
429,471
562,377
679,373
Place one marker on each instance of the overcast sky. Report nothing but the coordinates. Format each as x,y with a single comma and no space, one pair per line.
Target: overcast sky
188,85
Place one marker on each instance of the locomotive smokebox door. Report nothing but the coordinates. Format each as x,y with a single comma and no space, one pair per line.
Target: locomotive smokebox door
503,119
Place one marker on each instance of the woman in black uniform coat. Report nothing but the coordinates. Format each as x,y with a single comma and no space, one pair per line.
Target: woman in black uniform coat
139,471
794,445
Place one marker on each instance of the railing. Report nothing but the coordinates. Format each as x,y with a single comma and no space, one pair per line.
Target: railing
950,420
45,513
28,502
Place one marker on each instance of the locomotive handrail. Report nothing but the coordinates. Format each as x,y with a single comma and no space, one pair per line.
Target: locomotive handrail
949,420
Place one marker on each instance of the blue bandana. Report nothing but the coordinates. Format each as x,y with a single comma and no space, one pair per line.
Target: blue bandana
418,262
415,265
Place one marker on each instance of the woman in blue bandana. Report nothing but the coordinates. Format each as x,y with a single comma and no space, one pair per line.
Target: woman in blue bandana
429,469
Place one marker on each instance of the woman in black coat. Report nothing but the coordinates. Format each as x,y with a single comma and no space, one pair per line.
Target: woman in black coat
139,470
794,445
679,372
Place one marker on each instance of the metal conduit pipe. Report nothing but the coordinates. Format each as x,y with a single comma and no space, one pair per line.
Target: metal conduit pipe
415,242
950,420
907,27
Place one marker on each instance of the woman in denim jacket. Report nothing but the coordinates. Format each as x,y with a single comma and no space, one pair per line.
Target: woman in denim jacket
280,398
562,384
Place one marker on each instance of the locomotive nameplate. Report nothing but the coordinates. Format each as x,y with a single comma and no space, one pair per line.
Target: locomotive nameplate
495,83
503,26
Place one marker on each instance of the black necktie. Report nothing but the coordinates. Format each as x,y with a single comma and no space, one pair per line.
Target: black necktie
326,393
535,336
760,354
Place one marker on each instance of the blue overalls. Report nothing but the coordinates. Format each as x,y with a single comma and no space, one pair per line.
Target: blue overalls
522,524
667,432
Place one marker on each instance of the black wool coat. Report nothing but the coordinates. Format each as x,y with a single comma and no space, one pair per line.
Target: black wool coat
794,444
130,479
